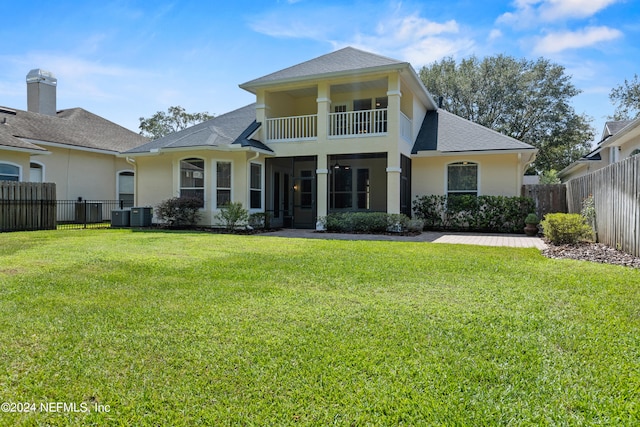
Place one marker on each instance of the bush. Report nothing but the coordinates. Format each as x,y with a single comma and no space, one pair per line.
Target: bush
232,215
260,220
496,214
180,211
365,222
561,228
532,219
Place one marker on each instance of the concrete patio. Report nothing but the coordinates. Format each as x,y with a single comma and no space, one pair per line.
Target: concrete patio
509,240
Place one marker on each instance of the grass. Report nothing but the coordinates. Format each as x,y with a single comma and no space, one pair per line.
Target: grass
186,328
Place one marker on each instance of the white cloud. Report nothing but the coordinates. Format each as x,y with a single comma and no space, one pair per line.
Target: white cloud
553,10
529,13
395,33
560,41
495,34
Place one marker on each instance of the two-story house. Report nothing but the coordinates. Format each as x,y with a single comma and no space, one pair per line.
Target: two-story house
347,131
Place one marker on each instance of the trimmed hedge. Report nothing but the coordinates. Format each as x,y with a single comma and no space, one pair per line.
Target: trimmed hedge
494,214
369,222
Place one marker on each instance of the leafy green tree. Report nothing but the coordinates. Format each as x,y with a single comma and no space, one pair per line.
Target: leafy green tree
550,177
175,119
626,97
527,100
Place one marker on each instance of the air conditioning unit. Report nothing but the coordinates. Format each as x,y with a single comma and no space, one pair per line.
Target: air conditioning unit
141,216
120,218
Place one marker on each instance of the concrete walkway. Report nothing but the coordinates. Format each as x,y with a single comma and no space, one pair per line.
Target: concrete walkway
510,240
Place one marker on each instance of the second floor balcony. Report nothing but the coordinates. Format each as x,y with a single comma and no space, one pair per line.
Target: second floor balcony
349,124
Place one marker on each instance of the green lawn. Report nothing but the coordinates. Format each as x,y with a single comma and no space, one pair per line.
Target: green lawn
188,328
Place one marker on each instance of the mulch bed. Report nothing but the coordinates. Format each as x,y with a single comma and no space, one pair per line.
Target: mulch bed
595,252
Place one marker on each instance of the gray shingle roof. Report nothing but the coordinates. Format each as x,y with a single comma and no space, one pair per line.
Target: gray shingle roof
234,127
340,61
613,127
74,127
445,132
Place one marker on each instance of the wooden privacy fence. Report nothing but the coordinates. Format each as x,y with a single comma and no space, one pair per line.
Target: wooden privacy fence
549,198
617,203
27,206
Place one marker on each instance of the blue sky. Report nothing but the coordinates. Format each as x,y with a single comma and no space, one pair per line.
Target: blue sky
128,59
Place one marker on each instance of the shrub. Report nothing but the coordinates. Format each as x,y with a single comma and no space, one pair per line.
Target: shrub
180,211
365,222
397,223
260,220
232,215
561,228
532,219
473,213
415,225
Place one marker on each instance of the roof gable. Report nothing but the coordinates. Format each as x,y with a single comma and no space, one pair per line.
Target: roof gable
344,60
446,132
234,127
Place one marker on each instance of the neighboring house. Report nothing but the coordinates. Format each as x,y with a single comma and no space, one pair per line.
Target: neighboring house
347,131
620,139
73,148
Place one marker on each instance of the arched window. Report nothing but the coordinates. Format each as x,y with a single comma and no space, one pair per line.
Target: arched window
9,172
125,188
635,152
192,179
462,178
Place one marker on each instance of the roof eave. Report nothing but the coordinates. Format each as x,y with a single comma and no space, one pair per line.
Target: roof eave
24,150
250,86
438,153
225,148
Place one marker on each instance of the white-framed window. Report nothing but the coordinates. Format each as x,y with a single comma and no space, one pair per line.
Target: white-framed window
192,179
9,172
36,172
255,186
125,188
462,178
223,183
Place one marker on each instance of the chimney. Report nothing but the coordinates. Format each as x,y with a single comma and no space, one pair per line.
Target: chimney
41,92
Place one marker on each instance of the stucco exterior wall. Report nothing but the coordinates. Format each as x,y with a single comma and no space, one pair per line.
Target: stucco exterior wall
497,174
86,174
158,178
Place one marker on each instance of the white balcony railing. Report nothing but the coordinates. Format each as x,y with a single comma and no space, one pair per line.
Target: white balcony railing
292,128
340,125
358,123
405,128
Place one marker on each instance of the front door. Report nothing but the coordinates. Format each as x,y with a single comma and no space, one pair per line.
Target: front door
304,200
281,198
291,191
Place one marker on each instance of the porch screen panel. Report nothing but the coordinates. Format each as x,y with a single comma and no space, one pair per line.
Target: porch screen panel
405,186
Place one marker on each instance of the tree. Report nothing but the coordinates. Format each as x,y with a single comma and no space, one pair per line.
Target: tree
626,97
161,123
527,100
